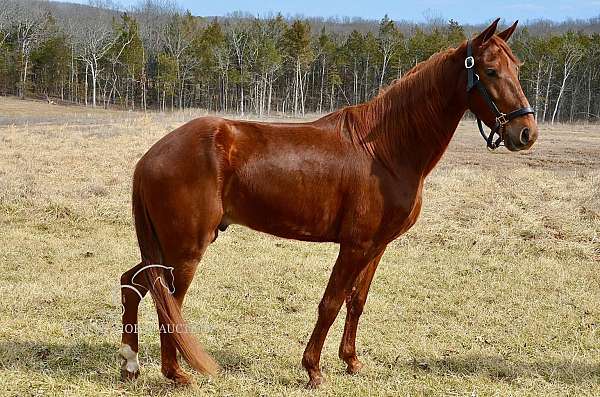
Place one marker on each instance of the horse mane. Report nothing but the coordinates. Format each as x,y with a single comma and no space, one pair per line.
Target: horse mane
419,66
400,114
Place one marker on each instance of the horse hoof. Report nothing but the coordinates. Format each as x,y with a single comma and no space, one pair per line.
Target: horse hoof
354,367
180,378
129,376
315,382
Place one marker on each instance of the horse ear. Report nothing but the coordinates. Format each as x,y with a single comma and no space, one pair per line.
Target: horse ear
486,34
505,35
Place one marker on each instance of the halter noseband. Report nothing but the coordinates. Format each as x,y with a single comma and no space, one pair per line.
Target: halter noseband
501,118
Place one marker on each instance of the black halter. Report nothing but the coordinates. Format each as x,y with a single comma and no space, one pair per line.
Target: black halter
501,118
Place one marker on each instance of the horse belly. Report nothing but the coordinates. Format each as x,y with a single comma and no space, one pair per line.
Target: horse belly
292,205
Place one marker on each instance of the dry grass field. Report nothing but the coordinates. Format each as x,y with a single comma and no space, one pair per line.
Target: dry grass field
495,291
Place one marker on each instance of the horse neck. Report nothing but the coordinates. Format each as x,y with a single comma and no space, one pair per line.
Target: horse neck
411,123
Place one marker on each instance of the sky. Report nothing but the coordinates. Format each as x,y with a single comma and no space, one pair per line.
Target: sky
467,12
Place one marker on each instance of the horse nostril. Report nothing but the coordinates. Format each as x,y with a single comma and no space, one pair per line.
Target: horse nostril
525,136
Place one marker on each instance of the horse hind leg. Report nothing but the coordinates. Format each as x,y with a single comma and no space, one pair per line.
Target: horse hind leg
132,292
176,218
134,287
182,249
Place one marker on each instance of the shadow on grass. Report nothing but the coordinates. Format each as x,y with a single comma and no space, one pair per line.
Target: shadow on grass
505,369
98,363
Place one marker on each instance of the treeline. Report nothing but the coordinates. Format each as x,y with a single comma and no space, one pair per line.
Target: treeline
156,56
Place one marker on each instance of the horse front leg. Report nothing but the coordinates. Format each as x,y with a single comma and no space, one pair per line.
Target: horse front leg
350,262
355,303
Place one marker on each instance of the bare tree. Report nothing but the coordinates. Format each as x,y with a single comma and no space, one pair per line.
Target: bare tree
178,37
593,71
222,55
238,38
571,54
5,22
548,85
30,21
388,42
115,60
153,16
93,37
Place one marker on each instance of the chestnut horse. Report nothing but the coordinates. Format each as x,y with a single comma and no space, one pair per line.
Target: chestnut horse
354,177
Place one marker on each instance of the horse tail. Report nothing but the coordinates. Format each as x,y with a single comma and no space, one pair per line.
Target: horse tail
170,317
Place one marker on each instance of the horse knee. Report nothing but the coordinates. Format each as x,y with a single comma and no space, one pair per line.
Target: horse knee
327,308
355,307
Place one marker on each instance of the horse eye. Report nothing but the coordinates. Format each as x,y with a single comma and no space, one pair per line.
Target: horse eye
490,72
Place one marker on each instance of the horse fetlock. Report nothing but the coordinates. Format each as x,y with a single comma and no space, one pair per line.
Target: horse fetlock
354,366
177,375
315,381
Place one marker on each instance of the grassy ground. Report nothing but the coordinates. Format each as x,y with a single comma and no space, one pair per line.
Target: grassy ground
495,291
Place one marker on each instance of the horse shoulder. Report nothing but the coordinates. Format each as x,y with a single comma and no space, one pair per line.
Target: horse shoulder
401,205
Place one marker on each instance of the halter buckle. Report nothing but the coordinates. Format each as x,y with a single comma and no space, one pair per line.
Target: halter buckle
469,62
502,120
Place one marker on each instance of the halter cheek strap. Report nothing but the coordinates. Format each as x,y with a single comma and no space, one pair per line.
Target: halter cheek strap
501,118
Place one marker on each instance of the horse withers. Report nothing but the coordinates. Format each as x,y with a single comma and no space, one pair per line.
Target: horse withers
353,177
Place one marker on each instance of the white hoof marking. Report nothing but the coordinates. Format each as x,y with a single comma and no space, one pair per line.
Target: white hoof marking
131,358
